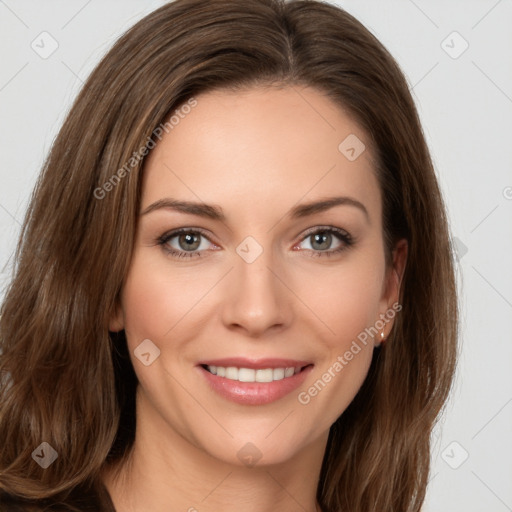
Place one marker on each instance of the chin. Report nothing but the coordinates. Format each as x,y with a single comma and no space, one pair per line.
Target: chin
257,451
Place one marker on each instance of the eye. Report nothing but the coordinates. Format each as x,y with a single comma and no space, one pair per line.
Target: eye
184,243
321,240
193,242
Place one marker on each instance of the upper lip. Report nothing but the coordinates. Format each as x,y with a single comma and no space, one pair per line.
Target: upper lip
256,364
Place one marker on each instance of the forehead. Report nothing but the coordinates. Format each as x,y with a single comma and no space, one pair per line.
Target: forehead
262,147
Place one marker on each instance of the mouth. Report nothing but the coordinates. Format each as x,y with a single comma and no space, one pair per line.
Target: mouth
251,382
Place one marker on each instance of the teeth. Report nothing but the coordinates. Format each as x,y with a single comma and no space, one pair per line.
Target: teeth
252,375
278,373
264,375
246,375
231,373
289,372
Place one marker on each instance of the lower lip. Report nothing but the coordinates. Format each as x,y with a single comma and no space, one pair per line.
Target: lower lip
255,393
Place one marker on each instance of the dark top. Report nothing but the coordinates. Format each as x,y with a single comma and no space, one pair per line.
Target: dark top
79,500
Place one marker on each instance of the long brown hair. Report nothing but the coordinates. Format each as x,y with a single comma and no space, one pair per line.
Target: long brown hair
68,381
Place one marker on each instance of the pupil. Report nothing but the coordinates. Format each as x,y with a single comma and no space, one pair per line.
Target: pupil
323,239
188,239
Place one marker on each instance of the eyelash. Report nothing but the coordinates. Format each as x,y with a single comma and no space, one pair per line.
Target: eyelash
341,234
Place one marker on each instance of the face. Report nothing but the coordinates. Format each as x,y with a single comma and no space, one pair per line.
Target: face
249,311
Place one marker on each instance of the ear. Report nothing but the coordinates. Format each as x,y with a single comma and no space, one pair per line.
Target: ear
391,290
116,321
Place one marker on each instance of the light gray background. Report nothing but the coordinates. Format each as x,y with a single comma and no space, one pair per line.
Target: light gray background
466,109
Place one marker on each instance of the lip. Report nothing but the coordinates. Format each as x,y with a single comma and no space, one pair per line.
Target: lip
255,393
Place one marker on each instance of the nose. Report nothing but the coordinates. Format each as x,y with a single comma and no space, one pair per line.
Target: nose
256,300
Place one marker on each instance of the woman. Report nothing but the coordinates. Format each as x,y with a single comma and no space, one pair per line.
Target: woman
234,285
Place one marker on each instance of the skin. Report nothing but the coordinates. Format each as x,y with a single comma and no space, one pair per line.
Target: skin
256,154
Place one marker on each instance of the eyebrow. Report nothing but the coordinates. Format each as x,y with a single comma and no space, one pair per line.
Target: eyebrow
214,212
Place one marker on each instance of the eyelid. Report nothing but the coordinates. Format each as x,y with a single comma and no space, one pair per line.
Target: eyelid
320,228
173,232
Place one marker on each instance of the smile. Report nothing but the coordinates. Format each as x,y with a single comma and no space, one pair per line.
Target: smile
252,375
250,382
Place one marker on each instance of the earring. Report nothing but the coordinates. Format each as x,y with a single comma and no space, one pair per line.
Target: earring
382,340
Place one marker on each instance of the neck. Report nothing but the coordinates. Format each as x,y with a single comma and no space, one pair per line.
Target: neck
166,472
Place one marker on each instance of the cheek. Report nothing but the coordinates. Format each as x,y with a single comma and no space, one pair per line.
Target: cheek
155,300
345,298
